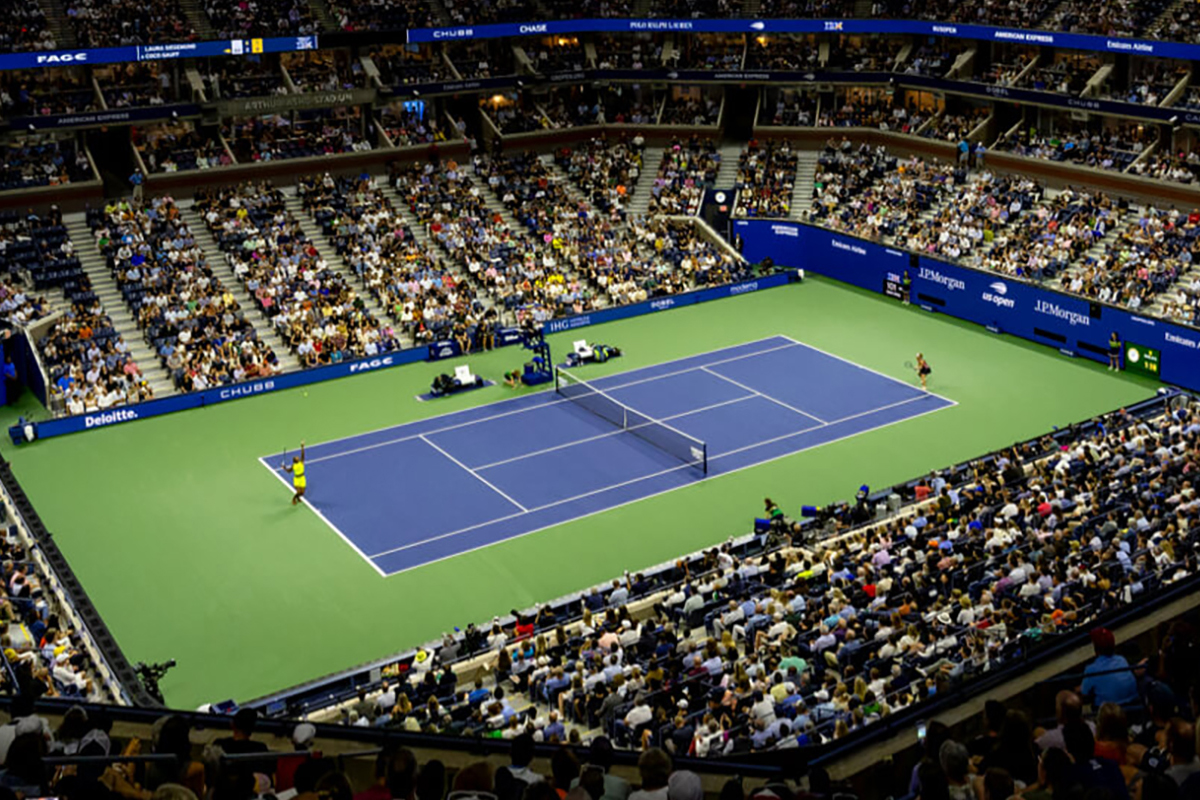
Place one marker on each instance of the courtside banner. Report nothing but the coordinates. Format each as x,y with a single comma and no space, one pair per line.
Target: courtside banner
1072,325
208,397
290,380
663,303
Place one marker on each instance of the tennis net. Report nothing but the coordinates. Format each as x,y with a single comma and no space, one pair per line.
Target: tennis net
686,448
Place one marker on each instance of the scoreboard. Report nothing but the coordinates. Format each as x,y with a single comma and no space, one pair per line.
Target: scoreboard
1142,360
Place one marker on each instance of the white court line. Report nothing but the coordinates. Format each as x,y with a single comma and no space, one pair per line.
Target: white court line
764,396
475,475
773,440
860,366
522,410
323,518
617,432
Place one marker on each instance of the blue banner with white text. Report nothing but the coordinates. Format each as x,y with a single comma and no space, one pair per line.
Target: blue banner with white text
1073,325
220,394
895,27
157,52
433,352
240,47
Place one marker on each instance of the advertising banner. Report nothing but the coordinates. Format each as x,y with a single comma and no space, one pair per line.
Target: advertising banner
1072,325
438,350
182,402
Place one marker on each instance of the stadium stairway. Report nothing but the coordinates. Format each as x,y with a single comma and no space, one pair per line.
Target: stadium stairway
652,158
728,173
317,236
56,19
221,269
199,20
113,302
325,18
806,177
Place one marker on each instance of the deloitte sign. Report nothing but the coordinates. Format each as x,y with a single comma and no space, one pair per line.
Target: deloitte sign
109,418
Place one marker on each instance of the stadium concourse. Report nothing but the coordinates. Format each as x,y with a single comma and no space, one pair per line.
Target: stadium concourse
757,537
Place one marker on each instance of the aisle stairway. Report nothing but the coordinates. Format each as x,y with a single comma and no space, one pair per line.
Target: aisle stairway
105,287
221,269
727,174
806,176
651,160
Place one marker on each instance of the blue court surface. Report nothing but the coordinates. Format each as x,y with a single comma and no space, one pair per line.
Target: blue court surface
417,493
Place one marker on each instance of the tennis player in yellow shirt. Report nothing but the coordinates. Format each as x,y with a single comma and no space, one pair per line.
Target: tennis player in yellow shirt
299,483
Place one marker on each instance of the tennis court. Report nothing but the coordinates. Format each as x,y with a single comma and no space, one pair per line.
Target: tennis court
417,493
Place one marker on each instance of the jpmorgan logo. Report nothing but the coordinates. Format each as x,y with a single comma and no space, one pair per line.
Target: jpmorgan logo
1072,318
63,58
933,276
374,363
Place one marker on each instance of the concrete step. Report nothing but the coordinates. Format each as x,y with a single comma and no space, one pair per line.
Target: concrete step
806,175
727,174
652,158
199,20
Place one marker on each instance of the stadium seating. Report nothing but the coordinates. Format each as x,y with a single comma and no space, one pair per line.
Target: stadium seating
34,161
260,18
190,320
179,148
309,303
423,295
606,171
806,635
111,23
688,168
43,92
275,138
766,179
24,28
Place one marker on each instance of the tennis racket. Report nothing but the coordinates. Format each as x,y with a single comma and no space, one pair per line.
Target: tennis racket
909,365
283,461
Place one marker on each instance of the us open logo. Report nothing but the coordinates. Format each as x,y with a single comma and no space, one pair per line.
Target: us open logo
997,296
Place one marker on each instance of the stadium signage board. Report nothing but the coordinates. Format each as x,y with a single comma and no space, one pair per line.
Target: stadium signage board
158,52
1071,325
275,104
241,47
116,116
446,349
1070,41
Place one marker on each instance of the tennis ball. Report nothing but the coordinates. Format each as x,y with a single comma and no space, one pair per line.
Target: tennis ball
306,394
